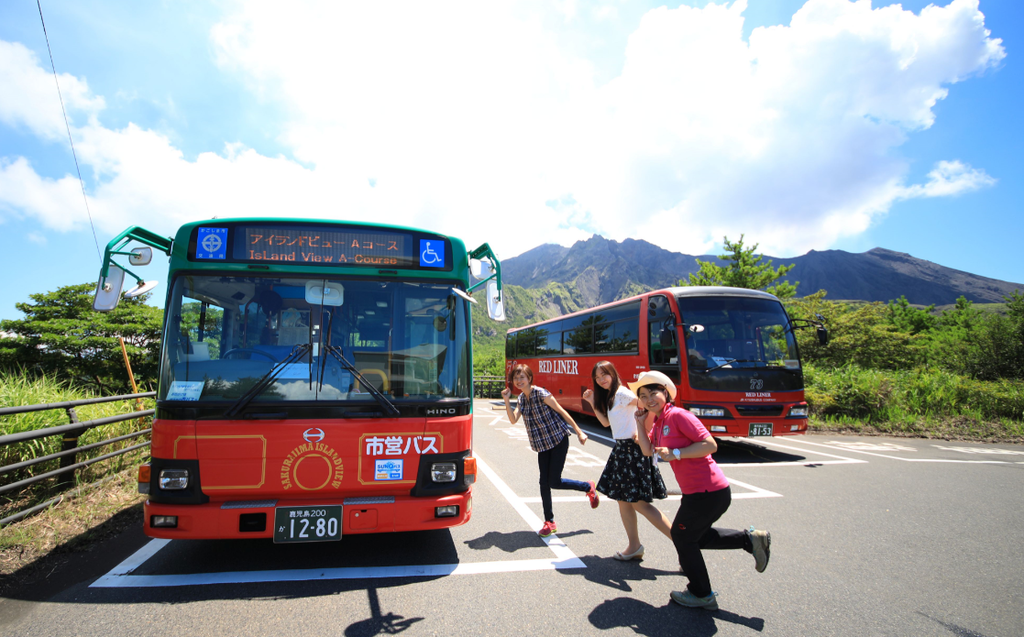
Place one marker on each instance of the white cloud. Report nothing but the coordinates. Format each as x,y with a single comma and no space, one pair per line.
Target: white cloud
29,96
469,118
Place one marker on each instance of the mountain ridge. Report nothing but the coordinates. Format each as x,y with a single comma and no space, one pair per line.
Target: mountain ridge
603,270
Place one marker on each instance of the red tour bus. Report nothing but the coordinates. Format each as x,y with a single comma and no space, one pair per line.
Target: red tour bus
740,369
315,378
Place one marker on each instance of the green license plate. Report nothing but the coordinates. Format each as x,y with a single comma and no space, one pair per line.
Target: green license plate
307,524
760,429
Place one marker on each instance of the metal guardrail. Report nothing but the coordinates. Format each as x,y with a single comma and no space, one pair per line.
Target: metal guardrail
488,386
68,455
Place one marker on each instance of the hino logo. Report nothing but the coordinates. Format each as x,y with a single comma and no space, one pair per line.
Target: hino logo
441,411
313,435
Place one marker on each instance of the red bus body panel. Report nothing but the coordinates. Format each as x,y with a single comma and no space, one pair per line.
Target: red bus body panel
254,466
567,377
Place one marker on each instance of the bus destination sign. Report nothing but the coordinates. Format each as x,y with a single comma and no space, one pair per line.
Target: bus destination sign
322,246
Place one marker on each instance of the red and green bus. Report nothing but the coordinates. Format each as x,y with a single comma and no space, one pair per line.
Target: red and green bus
731,353
315,377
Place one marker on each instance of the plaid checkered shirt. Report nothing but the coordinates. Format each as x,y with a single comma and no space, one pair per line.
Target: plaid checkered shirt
543,424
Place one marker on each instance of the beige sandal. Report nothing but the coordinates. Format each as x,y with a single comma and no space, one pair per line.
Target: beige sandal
625,557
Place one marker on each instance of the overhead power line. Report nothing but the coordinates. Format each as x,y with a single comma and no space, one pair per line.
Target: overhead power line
68,126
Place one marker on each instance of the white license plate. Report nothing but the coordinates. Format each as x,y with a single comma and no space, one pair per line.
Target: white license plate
307,524
760,429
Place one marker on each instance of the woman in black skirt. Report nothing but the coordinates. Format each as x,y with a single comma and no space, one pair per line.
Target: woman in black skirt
629,477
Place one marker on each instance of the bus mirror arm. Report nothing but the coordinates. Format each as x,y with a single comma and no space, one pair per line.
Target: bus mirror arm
819,325
107,296
484,251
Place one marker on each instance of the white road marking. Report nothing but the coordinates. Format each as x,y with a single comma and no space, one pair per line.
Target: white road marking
310,574
779,445
882,455
755,492
982,450
495,420
871,446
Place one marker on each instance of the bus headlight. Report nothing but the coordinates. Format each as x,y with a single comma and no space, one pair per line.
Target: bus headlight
443,472
173,479
799,410
707,412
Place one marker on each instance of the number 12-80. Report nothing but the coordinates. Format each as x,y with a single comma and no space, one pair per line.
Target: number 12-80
307,524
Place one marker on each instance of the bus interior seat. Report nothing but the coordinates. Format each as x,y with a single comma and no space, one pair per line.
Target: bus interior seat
291,336
200,351
372,374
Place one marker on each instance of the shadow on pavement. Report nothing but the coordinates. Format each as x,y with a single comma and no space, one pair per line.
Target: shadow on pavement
671,619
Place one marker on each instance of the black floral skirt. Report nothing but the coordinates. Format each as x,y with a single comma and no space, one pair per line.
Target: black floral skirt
630,476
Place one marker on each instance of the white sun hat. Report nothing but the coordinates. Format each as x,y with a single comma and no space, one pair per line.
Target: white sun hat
654,378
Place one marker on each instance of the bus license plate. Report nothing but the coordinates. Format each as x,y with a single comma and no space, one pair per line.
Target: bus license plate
760,429
307,524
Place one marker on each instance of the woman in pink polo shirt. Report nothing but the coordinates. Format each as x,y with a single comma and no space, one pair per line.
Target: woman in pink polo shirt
679,438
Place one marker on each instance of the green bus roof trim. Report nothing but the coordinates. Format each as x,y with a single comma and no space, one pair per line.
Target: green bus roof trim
179,253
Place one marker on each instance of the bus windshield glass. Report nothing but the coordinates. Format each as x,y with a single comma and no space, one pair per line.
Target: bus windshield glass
311,339
745,344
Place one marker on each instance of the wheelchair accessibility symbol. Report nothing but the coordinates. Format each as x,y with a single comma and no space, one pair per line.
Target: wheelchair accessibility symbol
431,253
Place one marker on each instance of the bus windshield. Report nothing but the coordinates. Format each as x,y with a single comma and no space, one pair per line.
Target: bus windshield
311,339
741,344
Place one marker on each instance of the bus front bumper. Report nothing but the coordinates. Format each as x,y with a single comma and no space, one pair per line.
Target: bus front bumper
748,429
255,519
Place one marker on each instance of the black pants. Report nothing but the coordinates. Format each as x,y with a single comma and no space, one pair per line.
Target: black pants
551,463
692,531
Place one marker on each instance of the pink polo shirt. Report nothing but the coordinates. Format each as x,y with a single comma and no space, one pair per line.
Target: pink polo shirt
677,428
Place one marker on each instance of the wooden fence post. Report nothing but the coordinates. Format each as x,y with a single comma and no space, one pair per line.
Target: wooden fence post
131,376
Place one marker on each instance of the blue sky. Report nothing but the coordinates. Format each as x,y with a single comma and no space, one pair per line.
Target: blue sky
825,124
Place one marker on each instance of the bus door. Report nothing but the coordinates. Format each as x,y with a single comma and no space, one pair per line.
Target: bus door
662,343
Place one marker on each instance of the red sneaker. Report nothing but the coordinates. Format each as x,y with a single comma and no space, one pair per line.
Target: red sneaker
548,528
592,494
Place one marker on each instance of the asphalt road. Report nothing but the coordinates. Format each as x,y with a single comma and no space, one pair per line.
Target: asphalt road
871,536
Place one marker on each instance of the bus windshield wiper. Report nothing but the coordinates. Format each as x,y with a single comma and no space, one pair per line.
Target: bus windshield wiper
298,352
377,395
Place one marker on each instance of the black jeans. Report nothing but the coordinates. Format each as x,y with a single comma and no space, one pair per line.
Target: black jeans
551,463
692,531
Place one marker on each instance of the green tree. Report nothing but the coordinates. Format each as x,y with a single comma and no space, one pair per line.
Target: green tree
744,271
859,334
62,335
910,319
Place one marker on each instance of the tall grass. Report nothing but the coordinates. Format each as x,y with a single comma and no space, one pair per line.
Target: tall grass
20,389
916,401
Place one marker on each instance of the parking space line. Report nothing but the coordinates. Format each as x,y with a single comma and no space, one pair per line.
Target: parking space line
778,445
882,455
561,551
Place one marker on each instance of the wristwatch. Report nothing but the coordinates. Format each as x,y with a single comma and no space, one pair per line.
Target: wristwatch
676,452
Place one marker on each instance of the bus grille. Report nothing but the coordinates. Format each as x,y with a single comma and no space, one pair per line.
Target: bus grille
759,411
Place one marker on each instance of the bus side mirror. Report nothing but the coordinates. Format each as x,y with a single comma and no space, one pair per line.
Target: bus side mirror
822,336
108,290
141,256
480,269
495,302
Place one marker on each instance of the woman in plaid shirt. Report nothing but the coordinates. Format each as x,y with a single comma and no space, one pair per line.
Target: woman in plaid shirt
548,426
